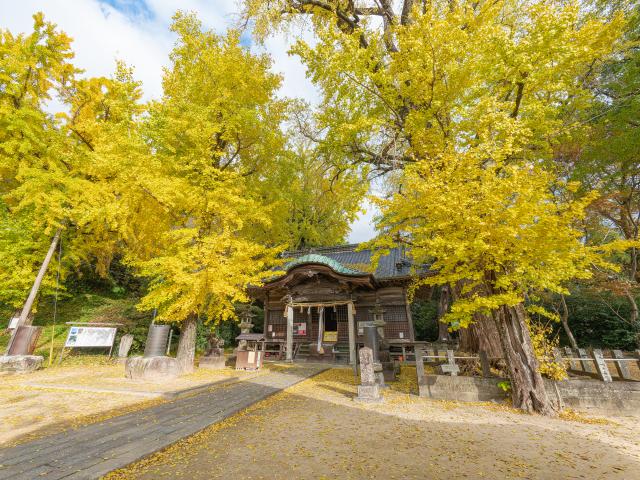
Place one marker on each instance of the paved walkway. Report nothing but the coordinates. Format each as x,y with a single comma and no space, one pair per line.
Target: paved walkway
94,450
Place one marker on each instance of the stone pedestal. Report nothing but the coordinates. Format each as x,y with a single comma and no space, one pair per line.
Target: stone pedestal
20,363
152,368
369,394
214,355
214,360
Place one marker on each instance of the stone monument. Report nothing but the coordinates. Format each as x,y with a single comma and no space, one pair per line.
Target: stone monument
125,345
621,365
154,365
587,367
368,390
214,354
450,367
573,365
601,365
371,339
20,363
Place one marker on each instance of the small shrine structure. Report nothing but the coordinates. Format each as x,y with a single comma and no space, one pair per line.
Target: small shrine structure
318,309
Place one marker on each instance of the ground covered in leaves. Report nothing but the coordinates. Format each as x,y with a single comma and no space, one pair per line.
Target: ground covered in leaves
75,394
316,430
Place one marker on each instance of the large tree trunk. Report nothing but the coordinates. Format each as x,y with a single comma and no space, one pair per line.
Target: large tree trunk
482,335
25,318
187,346
527,387
443,307
564,317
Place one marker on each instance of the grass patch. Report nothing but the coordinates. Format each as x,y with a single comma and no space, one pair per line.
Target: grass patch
83,307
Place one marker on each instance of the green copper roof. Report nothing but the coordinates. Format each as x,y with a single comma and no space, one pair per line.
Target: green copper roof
321,259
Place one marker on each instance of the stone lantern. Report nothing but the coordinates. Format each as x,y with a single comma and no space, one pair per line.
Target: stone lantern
245,324
378,319
386,370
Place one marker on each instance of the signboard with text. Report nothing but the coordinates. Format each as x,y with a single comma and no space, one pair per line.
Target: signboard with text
90,337
300,328
330,337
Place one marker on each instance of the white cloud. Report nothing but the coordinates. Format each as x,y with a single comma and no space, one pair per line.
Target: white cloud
101,35
138,34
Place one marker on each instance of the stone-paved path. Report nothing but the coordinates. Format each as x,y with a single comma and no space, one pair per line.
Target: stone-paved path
94,450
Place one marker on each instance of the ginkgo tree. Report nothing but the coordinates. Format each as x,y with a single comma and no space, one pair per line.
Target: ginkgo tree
199,190
501,234
32,68
55,177
485,86
216,127
314,202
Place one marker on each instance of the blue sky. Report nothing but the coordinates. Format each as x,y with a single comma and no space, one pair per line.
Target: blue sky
136,31
132,8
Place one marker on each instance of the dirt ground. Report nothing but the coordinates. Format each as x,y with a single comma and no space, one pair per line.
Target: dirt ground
57,398
316,430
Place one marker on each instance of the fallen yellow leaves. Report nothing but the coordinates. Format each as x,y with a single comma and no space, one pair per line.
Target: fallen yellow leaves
574,416
315,430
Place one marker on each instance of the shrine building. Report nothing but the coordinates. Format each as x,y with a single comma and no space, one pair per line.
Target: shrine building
318,309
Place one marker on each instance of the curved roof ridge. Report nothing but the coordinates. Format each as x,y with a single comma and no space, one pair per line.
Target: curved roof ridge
347,247
332,263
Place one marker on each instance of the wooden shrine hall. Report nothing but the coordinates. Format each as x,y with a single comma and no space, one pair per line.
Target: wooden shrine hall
318,309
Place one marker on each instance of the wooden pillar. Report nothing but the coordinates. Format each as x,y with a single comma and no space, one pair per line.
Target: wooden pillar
352,335
289,333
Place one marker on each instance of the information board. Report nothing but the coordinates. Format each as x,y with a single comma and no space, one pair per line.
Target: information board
90,337
330,337
300,328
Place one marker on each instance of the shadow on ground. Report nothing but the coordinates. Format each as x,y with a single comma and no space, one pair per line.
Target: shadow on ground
297,435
